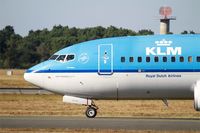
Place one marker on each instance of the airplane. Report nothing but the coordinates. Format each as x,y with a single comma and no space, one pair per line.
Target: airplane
123,68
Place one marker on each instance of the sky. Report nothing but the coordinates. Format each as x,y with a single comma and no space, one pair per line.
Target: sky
26,15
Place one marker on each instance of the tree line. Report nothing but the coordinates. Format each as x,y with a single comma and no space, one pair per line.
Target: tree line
23,52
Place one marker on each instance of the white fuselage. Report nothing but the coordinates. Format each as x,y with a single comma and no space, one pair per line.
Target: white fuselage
119,85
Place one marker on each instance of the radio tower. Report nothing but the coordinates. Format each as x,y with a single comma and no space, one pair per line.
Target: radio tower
165,17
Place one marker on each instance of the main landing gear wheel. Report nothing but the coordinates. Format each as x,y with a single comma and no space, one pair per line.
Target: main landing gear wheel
91,112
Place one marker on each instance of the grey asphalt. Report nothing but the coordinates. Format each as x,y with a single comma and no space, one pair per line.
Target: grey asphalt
23,91
98,123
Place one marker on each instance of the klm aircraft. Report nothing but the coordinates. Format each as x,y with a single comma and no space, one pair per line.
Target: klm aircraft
133,67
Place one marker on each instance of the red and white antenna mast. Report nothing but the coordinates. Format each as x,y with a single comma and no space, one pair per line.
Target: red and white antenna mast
165,17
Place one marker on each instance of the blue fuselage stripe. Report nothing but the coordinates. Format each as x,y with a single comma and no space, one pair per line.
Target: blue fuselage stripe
114,71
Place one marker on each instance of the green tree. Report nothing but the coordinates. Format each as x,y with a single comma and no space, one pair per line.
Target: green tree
184,32
24,52
145,32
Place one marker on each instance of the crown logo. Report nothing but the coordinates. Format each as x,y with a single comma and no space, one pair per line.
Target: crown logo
163,42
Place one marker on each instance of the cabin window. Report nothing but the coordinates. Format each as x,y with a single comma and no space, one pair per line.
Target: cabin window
156,59
139,59
53,57
190,59
123,59
61,58
70,57
173,59
198,58
131,59
164,59
148,59
181,59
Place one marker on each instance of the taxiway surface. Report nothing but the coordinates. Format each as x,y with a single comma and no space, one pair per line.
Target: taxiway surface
98,123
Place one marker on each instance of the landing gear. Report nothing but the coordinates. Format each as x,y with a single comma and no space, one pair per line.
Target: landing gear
91,110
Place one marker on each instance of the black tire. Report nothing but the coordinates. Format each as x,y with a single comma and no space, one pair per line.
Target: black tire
91,112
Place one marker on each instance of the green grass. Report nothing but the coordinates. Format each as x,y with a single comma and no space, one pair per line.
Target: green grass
21,104
14,81
62,130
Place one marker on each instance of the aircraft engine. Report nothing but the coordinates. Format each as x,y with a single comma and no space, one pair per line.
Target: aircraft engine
197,96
